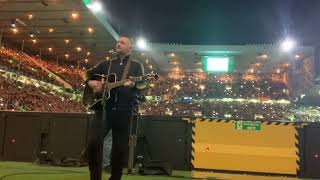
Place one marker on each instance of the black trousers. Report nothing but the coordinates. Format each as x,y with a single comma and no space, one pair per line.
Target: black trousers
118,120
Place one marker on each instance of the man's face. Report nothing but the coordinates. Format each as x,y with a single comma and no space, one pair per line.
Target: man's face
123,46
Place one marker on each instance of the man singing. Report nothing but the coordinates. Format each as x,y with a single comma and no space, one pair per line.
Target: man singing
119,110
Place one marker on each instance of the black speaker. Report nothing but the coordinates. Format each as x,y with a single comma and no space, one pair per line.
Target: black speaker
311,151
29,136
21,137
165,139
65,138
2,133
156,167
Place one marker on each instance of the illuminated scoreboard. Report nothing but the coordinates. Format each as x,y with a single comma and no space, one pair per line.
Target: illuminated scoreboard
216,64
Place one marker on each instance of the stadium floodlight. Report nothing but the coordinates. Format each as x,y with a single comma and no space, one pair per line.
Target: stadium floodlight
95,6
142,44
288,44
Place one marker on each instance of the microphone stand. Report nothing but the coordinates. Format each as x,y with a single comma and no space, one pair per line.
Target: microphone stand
133,141
104,101
104,104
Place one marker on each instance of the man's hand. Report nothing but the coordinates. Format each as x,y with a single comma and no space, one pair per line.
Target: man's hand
96,85
128,83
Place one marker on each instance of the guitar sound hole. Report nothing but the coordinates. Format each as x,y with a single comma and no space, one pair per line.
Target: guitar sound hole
111,78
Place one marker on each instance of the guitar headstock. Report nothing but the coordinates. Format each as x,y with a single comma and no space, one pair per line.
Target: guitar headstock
151,76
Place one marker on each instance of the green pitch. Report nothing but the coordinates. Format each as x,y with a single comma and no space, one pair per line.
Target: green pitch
29,171
26,171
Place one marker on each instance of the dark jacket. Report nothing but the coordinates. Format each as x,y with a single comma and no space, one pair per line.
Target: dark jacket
121,97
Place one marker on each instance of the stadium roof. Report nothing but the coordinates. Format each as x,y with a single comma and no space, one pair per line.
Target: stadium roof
60,25
188,58
71,20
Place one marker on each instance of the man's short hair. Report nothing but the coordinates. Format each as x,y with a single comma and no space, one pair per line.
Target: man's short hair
131,40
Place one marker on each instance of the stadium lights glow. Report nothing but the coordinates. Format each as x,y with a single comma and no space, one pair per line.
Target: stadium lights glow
15,30
177,87
264,56
141,43
95,6
90,30
50,30
286,65
74,15
30,16
13,23
288,44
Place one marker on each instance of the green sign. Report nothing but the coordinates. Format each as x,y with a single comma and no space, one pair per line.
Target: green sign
247,125
86,2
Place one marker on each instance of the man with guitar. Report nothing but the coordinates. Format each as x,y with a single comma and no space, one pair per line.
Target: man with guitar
115,108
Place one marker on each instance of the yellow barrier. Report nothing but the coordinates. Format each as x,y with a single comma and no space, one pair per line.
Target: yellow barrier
267,147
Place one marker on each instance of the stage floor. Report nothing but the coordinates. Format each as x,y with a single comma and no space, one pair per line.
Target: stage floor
28,171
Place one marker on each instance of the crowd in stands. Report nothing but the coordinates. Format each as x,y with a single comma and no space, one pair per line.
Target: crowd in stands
18,96
70,73
222,110
21,63
222,96
199,94
202,86
307,113
24,64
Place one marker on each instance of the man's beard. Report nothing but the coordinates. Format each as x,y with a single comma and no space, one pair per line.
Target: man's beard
121,53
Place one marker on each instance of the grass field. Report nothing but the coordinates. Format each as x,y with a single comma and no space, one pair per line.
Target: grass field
28,171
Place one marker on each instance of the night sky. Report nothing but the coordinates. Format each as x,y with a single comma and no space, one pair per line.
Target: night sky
209,22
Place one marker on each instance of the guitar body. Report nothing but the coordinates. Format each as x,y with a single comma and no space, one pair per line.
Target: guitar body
91,100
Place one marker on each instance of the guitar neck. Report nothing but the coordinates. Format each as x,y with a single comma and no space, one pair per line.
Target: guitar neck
121,82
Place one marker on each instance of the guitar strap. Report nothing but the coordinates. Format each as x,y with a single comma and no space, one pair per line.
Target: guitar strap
109,68
126,69
124,74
